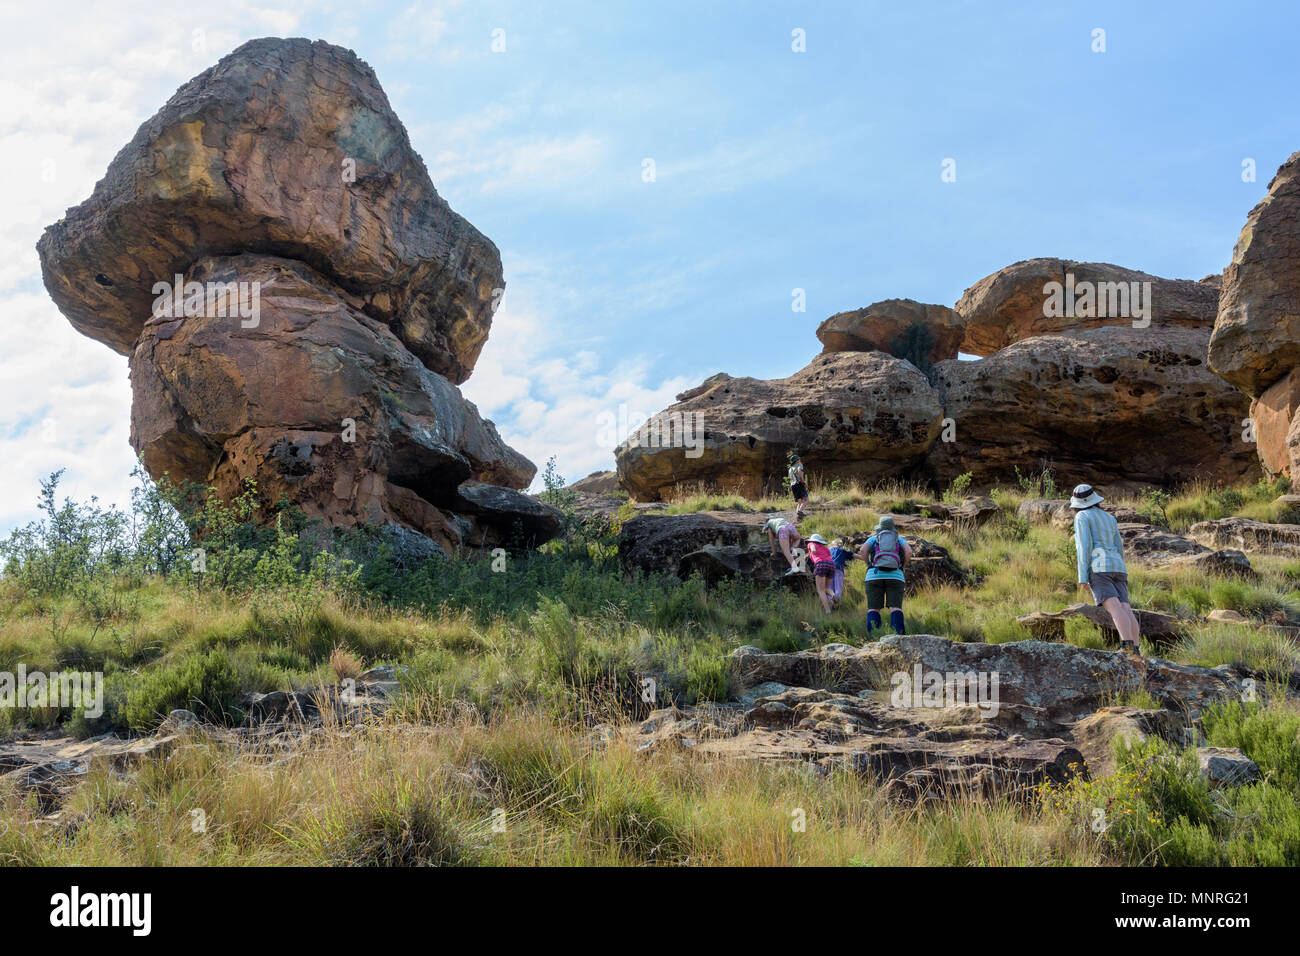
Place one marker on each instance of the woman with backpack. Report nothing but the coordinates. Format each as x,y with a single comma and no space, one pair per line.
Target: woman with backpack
886,554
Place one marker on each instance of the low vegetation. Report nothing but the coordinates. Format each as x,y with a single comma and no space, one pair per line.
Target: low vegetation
517,676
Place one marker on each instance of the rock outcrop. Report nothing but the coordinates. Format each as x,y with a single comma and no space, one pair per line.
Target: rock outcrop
1160,629
1101,404
1256,340
1246,534
1016,302
862,415
901,327
928,718
298,303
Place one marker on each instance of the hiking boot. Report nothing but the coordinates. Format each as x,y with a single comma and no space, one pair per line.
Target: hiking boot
1131,649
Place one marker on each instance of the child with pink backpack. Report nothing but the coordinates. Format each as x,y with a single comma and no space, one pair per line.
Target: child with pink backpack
819,553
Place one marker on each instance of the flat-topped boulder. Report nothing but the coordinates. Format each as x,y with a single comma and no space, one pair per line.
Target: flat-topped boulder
1065,682
863,415
903,328
1246,534
287,148
1018,302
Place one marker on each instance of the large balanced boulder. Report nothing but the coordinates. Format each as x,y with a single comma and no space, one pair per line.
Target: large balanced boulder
1256,340
288,148
298,304
1103,405
1048,296
902,327
862,415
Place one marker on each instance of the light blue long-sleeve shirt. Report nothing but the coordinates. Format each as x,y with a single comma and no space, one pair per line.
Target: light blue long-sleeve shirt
1097,543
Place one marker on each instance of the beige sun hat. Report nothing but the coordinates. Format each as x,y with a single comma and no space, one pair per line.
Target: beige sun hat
1084,496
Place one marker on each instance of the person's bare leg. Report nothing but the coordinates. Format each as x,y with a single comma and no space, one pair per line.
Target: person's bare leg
785,549
1125,620
823,592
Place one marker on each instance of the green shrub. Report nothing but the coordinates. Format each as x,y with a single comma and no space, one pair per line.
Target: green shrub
1270,736
203,683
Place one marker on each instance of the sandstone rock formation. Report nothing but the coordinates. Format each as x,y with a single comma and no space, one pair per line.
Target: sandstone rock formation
1246,534
1012,303
860,415
1106,403
1102,404
597,483
1156,548
326,302
897,326
1049,718
1256,340
288,148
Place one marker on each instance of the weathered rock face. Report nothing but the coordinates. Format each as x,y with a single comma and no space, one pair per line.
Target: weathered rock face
1013,304
1102,404
657,543
1256,340
597,483
928,718
1256,337
860,415
1162,549
1277,437
895,326
1246,534
218,403
322,319
257,154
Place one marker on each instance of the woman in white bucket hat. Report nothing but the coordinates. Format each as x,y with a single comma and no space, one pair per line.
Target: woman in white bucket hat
1100,557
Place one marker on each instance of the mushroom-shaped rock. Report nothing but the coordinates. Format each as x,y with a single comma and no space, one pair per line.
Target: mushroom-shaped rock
1047,296
1104,405
860,415
902,327
287,148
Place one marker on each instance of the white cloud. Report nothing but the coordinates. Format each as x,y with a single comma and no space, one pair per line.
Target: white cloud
548,399
64,113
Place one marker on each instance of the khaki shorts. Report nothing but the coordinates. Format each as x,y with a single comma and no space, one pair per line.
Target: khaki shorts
1108,584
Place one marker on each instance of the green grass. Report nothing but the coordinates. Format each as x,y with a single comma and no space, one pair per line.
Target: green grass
506,745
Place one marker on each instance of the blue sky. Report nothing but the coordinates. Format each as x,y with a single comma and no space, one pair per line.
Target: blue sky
775,170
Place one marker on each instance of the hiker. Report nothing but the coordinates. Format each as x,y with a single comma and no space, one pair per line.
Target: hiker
782,530
823,569
797,487
1099,550
886,554
841,556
